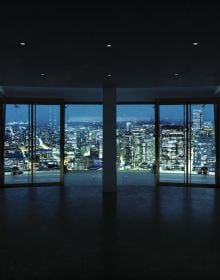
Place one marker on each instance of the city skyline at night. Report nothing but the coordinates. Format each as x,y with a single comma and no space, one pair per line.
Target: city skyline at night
135,138
125,113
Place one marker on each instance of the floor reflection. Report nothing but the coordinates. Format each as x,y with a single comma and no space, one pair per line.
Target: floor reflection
76,231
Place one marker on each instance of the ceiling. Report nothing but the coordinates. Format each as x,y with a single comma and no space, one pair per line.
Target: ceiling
152,45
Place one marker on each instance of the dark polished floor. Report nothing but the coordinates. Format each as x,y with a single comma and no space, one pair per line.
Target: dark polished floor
142,232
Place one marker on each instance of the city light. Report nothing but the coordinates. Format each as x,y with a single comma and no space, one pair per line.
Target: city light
182,146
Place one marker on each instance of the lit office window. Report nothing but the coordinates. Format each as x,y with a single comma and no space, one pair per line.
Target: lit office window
135,144
84,143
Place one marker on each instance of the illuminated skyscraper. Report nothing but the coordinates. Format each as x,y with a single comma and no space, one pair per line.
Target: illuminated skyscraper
197,118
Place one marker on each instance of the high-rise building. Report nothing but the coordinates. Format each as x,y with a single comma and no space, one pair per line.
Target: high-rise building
197,118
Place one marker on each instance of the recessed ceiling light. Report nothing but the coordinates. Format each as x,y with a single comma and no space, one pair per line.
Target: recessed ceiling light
109,75
176,74
22,43
195,43
42,74
108,45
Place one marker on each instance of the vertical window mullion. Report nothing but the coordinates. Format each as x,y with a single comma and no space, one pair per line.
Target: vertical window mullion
2,136
216,129
186,140
157,143
32,138
62,135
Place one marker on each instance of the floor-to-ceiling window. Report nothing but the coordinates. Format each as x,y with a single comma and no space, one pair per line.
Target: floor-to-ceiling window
17,144
202,147
172,143
46,147
186,143
31,144
83,143
135,138
187,149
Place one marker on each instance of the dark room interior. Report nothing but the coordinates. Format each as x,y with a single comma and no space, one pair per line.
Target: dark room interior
109,140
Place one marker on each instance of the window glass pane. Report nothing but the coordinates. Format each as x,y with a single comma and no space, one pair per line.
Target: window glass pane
202,150
17,161
172,143
83,144
46,149
135,144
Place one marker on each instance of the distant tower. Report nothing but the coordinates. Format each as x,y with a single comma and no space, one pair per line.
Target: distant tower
197,118
53,117
100,146
50,117
128,126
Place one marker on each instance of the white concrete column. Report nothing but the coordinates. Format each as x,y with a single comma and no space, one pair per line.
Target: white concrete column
109,139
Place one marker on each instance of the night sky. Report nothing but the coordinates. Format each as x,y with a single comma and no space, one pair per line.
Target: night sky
94,112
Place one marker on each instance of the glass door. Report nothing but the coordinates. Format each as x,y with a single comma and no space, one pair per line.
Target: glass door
31,144
187,144
17,144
